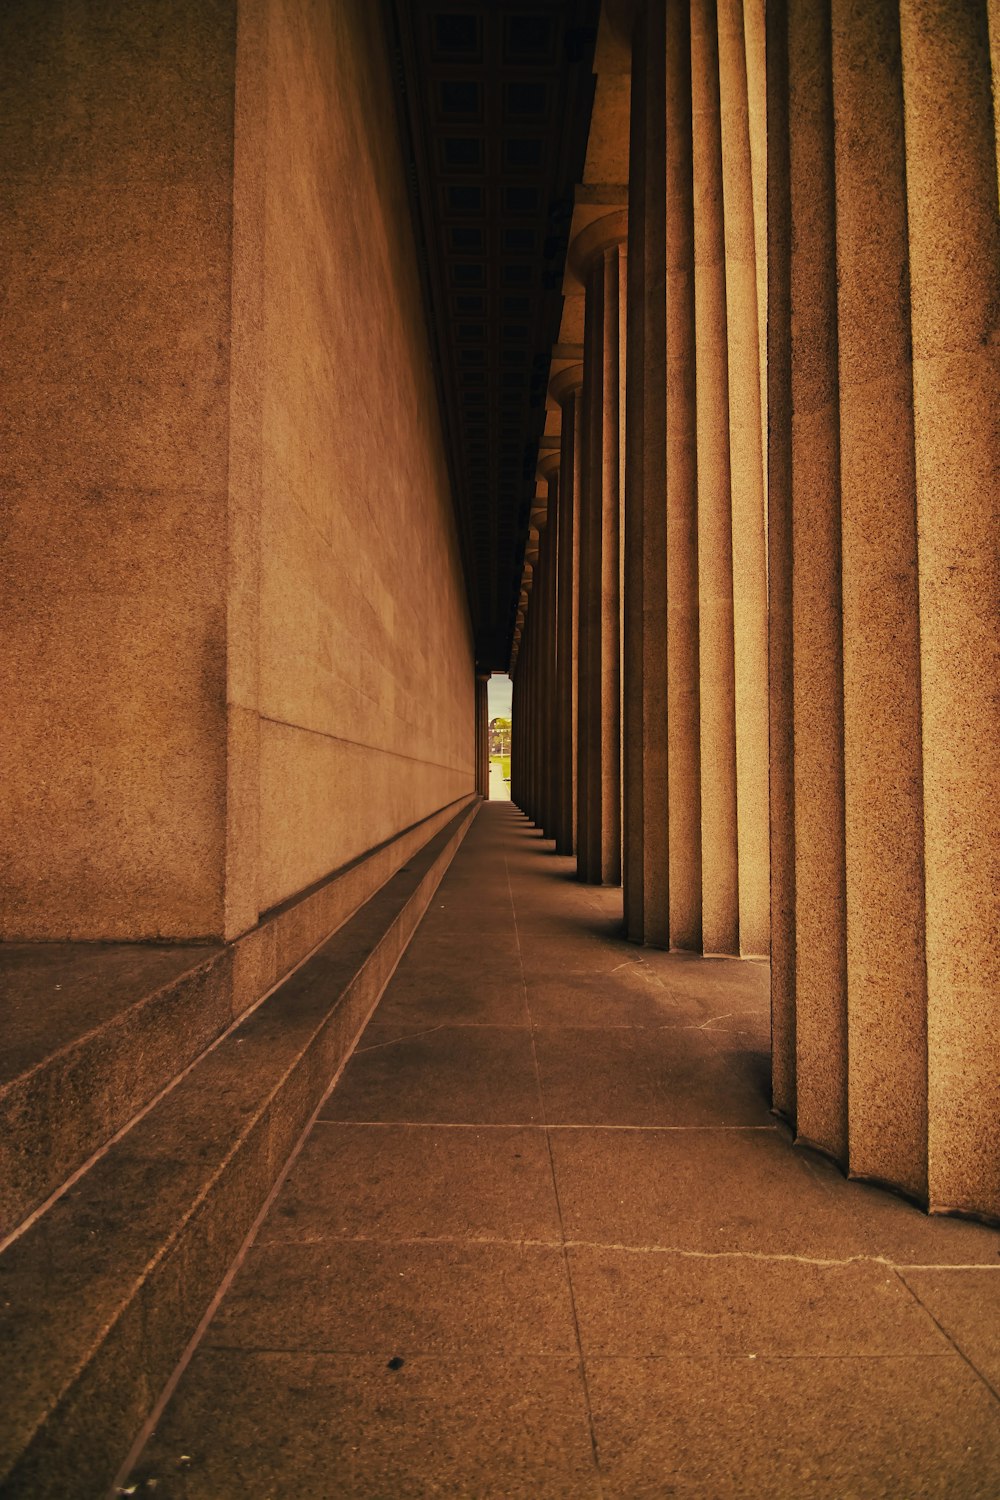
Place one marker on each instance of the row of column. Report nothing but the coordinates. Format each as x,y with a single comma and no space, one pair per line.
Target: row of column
696,801
663,752
885,583
757,674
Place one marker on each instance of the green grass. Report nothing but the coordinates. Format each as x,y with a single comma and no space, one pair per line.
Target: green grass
503,761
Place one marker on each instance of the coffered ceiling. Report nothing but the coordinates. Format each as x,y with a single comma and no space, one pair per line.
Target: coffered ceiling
494,106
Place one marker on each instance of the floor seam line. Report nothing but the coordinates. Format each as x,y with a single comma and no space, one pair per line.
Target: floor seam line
526,1242
558,1125
946,1335
555,1191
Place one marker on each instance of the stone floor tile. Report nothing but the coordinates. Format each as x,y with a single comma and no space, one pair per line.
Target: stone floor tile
543,955
416,1000
748,1059
351,1297
417,1182
794,1429
492,931
706,1190
463,951
270,1426
624,997
630,1077
745,1330
446,1074
896,1229
966,1304
641,1303
718,986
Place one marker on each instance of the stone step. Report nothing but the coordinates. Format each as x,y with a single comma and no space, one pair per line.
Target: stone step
101,1294
92,1032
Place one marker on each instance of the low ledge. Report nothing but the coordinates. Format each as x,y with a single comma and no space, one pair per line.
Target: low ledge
94,1031
100,1295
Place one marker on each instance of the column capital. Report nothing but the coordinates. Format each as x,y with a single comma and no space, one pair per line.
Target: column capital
565,382
594,238
548,464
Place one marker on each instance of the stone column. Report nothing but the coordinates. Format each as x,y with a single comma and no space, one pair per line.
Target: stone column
883,834
542,610
514,695
566,388
598,259
482,735
951,181
884,387
746,485
720,876
683,623
531,664
817,655
548,471
696,579
645,845
779,542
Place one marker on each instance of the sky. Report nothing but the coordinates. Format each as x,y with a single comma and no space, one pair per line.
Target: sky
499,690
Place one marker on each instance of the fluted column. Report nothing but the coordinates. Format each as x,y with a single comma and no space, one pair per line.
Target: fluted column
531,653
720,876
683,622
517,725
779,545
482,735
515,717
817,651
645,844
883,805
882,493
548,473
697,829
746,484
542,627
951,178
598,257
566,389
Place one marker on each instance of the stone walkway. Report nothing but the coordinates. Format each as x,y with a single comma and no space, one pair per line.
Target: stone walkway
545,1239
499,787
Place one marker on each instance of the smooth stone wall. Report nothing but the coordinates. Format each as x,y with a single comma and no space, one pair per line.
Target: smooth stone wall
238,646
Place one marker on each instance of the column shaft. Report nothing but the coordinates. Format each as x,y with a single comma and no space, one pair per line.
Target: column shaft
886,983
747,485
589,600
683,707
779,542
954,252
568,567
646,844
554,765
720,882
820,937
613,268
633,727
599,782
545,622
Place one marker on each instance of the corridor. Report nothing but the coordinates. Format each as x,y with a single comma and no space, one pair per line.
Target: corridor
546,1239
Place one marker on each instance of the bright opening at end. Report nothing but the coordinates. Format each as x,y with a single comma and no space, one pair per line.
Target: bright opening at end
499,691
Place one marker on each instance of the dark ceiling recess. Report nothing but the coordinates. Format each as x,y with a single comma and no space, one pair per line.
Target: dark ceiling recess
494,105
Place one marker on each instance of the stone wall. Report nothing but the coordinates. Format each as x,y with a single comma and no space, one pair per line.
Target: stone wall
237,646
